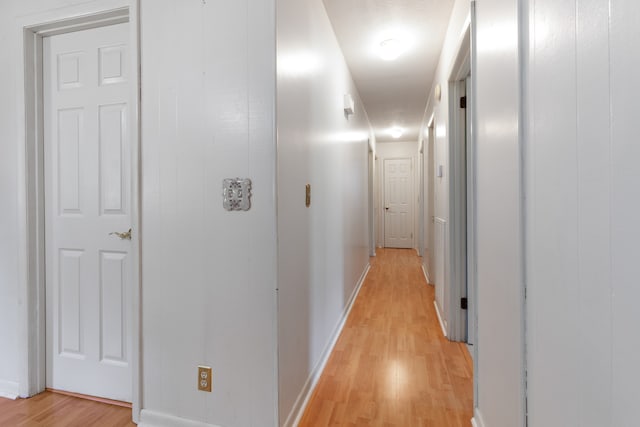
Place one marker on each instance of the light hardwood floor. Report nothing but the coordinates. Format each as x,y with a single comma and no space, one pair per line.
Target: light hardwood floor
56,410
392,366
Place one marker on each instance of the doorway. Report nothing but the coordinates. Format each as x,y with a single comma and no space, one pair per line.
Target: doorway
81,170
429,218
398,203
462,256
87,170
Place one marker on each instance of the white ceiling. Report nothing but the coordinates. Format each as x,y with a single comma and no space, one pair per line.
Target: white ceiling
394,93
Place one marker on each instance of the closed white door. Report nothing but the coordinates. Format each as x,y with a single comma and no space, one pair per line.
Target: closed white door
431,202
442,291
87,197
398,195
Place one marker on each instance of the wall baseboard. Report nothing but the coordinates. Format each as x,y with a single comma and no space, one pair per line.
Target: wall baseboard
444,329
158,419
426,275
293,419
9,389
477,421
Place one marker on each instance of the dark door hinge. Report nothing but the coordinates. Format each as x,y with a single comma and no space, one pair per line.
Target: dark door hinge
463,102
463,303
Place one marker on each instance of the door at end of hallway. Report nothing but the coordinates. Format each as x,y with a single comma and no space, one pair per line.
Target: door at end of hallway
398,203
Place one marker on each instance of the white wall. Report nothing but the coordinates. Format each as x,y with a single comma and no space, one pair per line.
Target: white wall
322,250
208,276
583,202
500,360
439,110
395,150
9,214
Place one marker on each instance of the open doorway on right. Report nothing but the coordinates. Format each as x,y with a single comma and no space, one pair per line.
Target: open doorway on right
461,188
448,214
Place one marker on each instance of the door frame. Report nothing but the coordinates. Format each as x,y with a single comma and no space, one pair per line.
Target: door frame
32,332
459,225
421,200
430,200
371,161
383,199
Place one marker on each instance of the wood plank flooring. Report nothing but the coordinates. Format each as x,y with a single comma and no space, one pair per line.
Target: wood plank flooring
391,366
56,410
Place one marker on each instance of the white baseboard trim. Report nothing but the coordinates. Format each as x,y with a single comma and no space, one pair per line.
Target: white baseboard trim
426,274
444,329
293,419
9,389
477,421
158,419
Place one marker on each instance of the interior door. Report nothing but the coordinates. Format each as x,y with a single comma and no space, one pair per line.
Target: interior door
398,196
421,204
87,197
471,215
431,202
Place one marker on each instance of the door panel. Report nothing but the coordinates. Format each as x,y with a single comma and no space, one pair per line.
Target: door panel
398,203
442,296
87,196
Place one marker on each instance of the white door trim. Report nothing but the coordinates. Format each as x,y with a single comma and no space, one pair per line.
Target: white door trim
457,266
31,31
383,199
371,160
421,201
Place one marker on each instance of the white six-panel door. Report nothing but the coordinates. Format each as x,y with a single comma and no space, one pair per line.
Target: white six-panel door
87,196
398,215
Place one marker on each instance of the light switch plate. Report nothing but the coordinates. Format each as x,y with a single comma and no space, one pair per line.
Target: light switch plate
236,194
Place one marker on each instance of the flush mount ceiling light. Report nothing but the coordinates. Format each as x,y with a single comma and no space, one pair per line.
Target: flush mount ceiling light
396,132
391,49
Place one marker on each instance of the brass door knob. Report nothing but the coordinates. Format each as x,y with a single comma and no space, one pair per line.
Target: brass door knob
123,236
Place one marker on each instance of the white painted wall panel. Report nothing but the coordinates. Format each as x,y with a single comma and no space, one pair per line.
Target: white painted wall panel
209,275
583,199
553,286
9,214
500,357
439,110
593,320
323,249
624,206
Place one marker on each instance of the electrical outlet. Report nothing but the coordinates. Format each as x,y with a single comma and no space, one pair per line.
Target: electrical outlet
205,378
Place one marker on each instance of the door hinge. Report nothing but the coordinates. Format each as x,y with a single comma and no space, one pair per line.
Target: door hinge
463,102
463,303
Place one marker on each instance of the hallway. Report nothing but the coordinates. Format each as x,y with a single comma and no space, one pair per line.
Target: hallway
391,365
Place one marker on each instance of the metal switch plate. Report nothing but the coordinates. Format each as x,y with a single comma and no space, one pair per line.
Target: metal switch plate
236,194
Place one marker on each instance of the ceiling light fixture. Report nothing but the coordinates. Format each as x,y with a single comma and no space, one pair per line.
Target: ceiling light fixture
396,132
391,49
